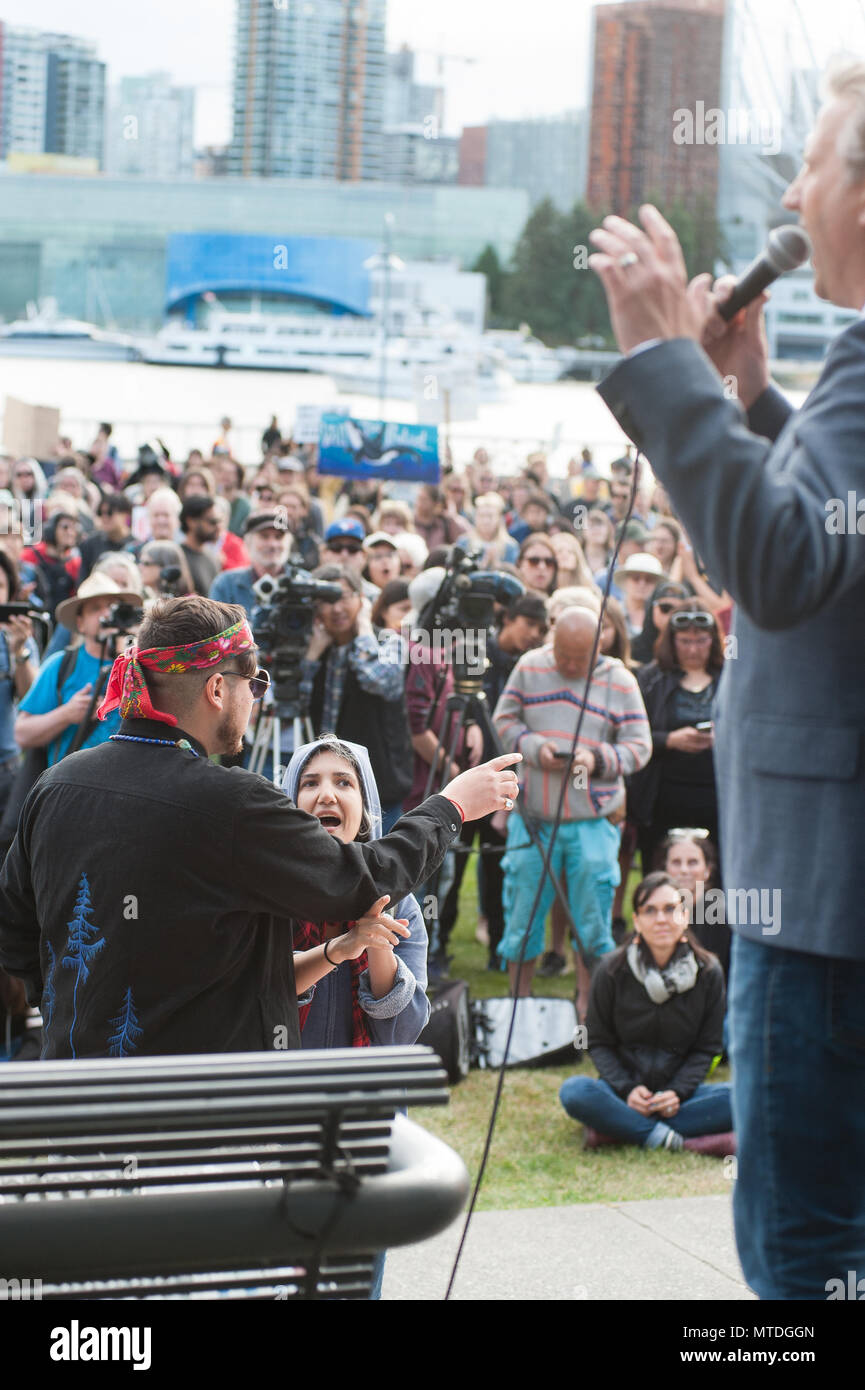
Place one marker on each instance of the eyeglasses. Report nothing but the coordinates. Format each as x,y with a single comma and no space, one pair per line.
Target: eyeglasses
665,910
539,560
258,683
700,620
343,547
686,832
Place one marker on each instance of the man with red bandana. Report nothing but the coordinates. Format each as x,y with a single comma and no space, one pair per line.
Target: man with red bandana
147,895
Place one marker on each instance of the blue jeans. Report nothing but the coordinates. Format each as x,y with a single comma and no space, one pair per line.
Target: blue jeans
585,859
377,1275
595,1103
389,817
797,1025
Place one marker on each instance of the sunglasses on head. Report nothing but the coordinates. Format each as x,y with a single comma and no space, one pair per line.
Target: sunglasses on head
257,683
700,620
685,832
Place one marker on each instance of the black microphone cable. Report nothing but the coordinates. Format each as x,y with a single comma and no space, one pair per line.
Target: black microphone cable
546,870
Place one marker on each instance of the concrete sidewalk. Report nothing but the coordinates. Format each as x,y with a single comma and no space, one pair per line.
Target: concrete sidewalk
669,1249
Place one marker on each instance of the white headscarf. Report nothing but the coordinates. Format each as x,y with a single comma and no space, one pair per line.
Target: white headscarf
369,790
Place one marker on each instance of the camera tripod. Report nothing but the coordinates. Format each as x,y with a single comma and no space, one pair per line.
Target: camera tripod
268,738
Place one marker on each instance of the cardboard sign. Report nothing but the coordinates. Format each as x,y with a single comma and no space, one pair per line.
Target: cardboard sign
30,431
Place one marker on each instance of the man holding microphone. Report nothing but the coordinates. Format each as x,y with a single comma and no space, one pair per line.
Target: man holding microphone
754,483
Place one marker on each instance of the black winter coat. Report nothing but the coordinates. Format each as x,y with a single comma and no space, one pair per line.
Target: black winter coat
635,1042
658,688
147,895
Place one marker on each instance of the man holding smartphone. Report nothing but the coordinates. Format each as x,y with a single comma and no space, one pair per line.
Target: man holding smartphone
536,716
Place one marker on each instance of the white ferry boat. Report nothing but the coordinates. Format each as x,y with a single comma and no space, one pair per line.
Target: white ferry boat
44,334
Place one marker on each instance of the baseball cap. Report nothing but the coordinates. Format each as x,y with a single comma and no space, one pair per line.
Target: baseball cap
349,527
260,521
380,538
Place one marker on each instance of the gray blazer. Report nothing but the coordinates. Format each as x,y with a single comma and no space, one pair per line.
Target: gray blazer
753,493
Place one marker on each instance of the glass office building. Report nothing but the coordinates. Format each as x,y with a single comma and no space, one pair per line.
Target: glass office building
99,245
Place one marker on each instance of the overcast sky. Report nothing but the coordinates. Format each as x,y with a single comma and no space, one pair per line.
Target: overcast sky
528,59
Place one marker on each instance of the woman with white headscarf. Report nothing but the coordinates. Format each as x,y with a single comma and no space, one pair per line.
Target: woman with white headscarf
358,983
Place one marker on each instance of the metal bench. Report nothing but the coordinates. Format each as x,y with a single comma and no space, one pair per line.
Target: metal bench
253,1175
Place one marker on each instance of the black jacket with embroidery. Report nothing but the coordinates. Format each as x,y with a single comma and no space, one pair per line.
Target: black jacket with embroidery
147,895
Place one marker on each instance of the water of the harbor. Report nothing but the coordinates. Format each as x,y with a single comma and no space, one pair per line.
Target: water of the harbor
184,405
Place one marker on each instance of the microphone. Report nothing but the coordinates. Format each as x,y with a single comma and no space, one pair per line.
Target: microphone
786,248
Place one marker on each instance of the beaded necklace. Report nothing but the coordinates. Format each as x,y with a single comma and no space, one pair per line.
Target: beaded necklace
182,743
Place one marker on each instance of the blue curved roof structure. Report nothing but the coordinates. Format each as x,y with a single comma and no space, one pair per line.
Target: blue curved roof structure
326,270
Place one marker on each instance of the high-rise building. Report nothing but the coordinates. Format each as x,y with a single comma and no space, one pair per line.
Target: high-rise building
151,128
473,156
545,156
653,59
309,83
52,94
407,101
415,150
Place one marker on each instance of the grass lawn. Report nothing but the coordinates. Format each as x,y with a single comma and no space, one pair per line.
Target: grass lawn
537,1158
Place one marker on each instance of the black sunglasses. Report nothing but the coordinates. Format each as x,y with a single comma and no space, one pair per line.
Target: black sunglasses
343,547
539,560
701,620
664,607
258,683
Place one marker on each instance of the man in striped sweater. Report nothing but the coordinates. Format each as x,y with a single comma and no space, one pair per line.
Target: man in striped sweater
536,715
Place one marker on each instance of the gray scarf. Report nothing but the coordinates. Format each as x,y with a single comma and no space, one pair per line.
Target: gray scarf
677,977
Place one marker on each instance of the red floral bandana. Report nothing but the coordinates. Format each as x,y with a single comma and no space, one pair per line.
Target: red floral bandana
128,688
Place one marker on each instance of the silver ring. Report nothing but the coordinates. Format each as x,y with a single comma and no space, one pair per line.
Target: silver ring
629,258
509,805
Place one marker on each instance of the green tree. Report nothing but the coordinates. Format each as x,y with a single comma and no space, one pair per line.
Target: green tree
488,264
548,283
536,288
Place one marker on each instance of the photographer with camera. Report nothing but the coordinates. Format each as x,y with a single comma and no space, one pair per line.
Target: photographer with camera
268,544
50,714
352,683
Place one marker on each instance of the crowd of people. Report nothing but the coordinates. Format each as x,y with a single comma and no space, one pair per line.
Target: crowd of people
90,543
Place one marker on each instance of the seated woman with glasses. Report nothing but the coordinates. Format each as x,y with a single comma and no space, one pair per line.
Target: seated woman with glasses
677,787
654,1024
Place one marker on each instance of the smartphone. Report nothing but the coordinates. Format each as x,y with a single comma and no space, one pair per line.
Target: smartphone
13,610
705,727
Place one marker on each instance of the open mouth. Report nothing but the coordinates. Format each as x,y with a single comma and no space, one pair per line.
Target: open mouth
330,820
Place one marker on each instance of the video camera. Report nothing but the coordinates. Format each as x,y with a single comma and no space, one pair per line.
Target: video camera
282,628
467,595
464,607
122,619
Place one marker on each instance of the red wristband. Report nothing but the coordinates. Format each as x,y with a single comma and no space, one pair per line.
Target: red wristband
458,806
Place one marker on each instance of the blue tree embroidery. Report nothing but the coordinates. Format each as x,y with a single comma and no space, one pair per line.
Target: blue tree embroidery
126,1032
48,994
83,944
